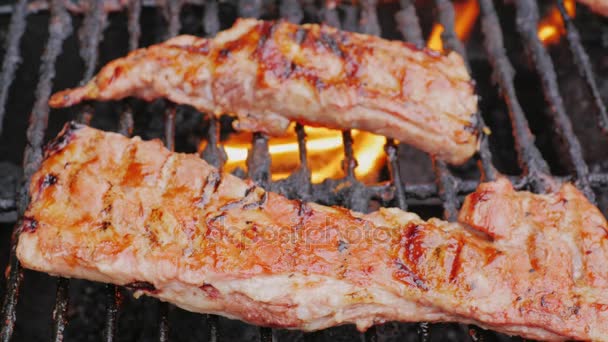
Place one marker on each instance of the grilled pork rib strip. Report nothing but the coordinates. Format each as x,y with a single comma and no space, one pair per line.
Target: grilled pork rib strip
129,212
270,73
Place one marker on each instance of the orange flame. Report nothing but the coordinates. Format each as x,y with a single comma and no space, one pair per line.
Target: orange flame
325,153
466,14
551,27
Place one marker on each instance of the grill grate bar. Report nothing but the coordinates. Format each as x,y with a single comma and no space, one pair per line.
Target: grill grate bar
258,169
428,192
408,23
527,23
445,179
258,158
12,56
530,158
391,151
169,139
174,8
213,153
163,324
125,127
112,305
291,11
134,12
59,29
90,36
446,182
61,309
582,61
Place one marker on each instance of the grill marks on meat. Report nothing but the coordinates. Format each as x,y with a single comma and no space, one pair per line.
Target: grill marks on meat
270,73
209,242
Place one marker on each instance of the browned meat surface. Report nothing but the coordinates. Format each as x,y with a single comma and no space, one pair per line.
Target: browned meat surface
599,6
119,210
271,73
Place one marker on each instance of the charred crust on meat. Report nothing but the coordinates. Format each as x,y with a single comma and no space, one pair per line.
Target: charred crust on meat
211,291
456,262
319,84
142,286
249,190
342,246
543,302
29,225
575,309
470,128
258,204
304,212
406,275
48,180
63,139
212,220
224,53
104,225
266,30
107,209
408,255
232,204
332,45
300,35
212,183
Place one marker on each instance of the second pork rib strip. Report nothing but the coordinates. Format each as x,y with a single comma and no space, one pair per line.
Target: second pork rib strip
270,73
119,210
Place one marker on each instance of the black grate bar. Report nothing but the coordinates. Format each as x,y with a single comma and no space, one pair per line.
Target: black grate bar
60,28
447,183
211,19
266,334
90,36
12,56
258,169
169,140
530,159
61,309
582,61
452,42
408,23
395,176
369,18
163,322
329,14
445,179
445,12
213,153
125,127
134,12
249,8
291,11
112,305
527,23
174,9
302,151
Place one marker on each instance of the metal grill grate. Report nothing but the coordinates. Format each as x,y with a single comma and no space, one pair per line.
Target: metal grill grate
352,193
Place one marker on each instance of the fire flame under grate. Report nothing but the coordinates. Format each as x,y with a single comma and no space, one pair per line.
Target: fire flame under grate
348,191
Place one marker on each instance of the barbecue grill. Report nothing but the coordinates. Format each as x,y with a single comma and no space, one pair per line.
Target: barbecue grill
89,28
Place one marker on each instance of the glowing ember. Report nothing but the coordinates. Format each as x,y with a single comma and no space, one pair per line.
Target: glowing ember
466,14
325,153
551,27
